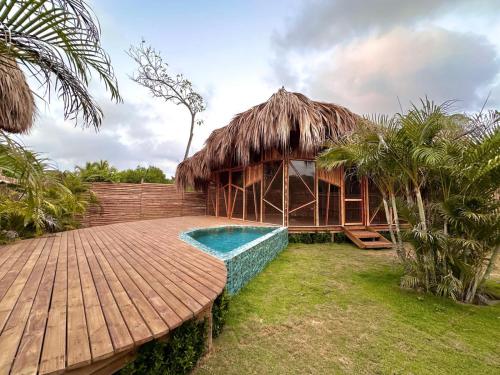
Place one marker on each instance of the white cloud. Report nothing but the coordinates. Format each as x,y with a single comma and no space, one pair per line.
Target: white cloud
366,55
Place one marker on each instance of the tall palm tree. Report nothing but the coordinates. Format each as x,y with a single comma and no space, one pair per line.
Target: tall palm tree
58,43
368,152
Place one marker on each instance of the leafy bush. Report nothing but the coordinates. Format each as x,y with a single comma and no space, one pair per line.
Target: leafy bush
310,238
140,174
98,171
220,310
447,166
177,355
40,199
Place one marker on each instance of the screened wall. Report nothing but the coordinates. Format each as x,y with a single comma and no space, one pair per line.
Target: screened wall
295,193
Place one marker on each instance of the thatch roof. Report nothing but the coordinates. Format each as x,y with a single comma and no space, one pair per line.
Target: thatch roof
287,121
17,106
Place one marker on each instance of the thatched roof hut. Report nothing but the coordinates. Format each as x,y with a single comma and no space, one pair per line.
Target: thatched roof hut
287,122
17,105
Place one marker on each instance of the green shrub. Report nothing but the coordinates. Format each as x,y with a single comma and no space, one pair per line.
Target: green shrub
175,356
220,310
310,238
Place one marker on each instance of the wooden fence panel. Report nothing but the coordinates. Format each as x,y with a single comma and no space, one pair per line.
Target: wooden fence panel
122,202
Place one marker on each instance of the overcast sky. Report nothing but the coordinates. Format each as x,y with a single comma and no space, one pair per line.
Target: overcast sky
364,55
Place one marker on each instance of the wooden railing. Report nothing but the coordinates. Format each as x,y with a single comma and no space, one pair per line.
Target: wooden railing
119,202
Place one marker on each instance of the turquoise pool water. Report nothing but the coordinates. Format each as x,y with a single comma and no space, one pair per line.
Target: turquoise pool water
245,250
226,239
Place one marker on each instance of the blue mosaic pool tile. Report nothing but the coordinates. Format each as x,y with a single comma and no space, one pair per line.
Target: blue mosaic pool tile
247,261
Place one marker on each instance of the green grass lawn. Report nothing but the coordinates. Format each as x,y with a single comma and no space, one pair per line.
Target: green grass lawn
332,308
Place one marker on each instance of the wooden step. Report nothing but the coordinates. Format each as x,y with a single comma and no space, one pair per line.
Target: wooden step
365,234
367,238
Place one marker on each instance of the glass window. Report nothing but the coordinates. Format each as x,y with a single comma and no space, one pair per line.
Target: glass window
223,193
253,202
376,205
352,184
329,203
272,209
301,196
353,212
237,194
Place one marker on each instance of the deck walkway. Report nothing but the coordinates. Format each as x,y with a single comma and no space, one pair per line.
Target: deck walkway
75,298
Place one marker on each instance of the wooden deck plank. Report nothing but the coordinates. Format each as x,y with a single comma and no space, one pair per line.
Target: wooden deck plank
135,323
118,330
154,320
11,272
156,300
54,347
174,265
183,254
177,272
179,277
101,346
181,302
78,345
16,321
156,229
87,297
30,348
16,287
10,252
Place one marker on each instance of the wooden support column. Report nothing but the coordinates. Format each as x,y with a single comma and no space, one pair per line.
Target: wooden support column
366,202
217,187
342,197
229,191
286,189
207,314
244,194
262,194
316,194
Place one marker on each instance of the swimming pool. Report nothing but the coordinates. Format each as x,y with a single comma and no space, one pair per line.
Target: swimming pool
245,250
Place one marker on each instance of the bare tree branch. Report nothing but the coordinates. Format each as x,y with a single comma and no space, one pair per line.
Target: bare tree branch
152,73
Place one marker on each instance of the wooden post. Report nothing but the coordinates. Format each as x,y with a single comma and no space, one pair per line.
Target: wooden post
316,193
327,204
262,194
217,187
207,314
244,194
366,202
342,197
285,192
229,191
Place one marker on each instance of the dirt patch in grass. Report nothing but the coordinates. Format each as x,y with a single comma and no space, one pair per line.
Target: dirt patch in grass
332,308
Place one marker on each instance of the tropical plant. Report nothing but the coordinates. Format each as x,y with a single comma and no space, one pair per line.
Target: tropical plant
448,166
97,171
152,73
140,174
58,42
40,199
365,152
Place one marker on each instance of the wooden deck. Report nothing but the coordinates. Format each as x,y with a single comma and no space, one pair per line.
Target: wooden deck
79,297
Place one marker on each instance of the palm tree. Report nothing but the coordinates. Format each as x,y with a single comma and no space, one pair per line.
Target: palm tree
98,171
367,151
58,42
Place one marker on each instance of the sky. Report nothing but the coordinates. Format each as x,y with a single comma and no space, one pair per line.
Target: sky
373,57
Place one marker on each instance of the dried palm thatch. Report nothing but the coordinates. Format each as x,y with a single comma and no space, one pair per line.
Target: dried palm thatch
193,172
287,121
17,105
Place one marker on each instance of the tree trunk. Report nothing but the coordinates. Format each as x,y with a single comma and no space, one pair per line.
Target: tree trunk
491,264
191,132
421,209
389,220
398,228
